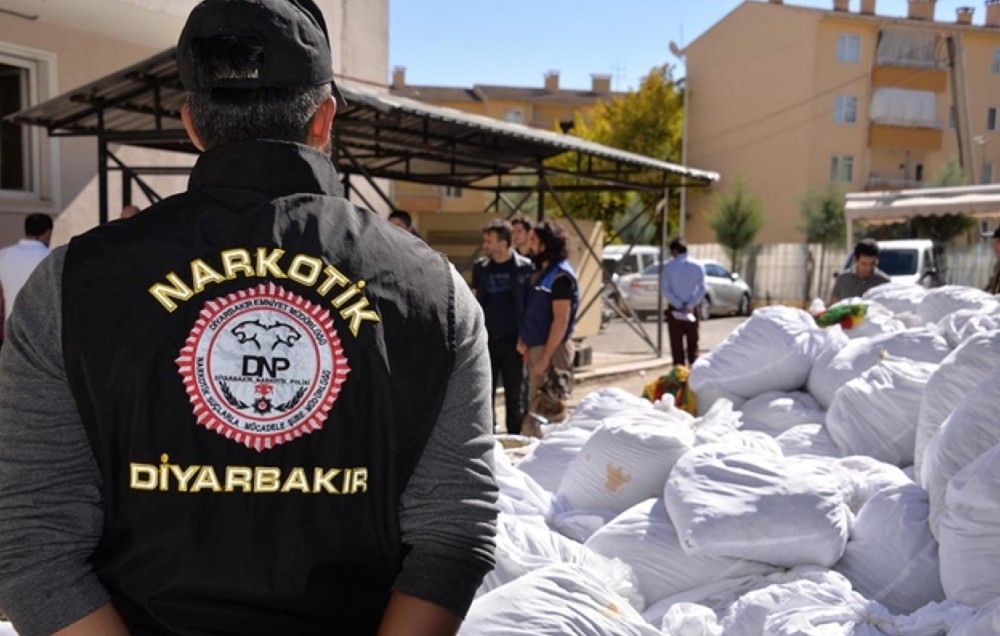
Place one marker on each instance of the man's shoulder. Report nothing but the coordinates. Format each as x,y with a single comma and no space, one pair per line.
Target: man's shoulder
522,262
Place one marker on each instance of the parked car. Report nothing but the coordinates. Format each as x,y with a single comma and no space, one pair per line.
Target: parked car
726,293
638,258
909,262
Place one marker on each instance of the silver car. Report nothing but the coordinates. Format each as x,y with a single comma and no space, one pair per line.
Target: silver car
727,292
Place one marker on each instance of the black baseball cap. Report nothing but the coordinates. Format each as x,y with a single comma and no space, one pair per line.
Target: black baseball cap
290,35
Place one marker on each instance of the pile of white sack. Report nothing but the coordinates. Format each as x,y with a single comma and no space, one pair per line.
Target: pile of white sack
833,482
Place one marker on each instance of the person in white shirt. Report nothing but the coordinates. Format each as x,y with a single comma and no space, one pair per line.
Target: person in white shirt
19,260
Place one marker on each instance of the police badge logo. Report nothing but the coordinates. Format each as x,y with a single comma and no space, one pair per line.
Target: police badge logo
262,366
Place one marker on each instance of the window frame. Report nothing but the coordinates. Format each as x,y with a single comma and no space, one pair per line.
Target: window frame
452,192
31,135
837,167
849,48
843,104
991,118
995,64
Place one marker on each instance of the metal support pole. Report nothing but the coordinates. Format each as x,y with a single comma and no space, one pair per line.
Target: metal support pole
102,179
364,173
664,217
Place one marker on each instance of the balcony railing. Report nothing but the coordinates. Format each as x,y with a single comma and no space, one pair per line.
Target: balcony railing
878,182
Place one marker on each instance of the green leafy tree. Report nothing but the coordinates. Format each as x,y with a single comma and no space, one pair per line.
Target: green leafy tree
950,174
648,121
736,218
823,223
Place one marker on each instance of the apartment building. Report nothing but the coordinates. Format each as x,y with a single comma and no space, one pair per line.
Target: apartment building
48,48
793,98
549,106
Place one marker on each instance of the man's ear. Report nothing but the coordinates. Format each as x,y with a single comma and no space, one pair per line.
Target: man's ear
189,127
321,124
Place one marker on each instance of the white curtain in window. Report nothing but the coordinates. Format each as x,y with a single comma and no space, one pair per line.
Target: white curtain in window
903,47
902,107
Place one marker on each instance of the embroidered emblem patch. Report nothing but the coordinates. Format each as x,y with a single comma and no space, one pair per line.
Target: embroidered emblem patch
263,366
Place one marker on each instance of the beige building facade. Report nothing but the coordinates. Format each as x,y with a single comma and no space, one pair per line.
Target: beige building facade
792,98
548,106
50,47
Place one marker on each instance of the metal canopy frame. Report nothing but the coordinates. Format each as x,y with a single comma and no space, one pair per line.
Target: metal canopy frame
375,136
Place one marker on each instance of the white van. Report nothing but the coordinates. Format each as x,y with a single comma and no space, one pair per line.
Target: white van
909,262
637,259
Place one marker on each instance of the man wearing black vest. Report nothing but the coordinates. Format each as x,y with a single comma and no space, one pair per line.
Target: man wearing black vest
501,280
254,408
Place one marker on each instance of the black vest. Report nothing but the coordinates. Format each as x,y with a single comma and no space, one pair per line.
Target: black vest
258,365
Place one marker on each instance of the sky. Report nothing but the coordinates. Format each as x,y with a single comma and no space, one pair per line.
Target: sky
516,42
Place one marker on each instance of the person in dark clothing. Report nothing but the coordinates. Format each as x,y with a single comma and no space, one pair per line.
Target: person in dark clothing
520,228
248,409
500,281
404,221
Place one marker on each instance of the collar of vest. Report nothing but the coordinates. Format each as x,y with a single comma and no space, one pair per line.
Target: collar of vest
275,168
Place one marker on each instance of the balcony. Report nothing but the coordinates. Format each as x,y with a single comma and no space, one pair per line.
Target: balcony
878,183
889,136
934,80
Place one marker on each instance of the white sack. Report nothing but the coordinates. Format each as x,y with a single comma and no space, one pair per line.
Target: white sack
749,615
772,351
866,477
807,439
720,594
549,460
941,301
962,324
644,538
785,511
898,299
624,462
556,600
969,431
876,413
579,525
775,412
524,545
957,374
982,622
519,493
690,619
891,556
605,402
857,616
721,419
970,532
835,368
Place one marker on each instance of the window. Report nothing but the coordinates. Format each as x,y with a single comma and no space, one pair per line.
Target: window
451,192
18,151
995,67
987,177
845,109
715,271
991,118
514,115
952,118
842,169
848,48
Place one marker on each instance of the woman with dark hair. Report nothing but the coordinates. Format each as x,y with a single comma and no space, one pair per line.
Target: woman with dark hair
550,313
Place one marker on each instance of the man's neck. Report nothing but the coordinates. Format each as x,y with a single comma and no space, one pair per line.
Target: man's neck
503,257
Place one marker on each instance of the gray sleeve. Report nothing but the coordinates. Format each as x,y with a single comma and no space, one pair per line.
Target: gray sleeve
448,511
50,489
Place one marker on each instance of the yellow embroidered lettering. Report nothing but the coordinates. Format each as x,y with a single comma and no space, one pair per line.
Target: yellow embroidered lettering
163,292
236,261
268,263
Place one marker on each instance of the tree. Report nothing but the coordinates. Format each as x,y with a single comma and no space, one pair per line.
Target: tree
950,174
823,223
648,121
736,218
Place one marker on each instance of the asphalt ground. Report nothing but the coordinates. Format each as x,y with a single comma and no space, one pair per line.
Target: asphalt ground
622,358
